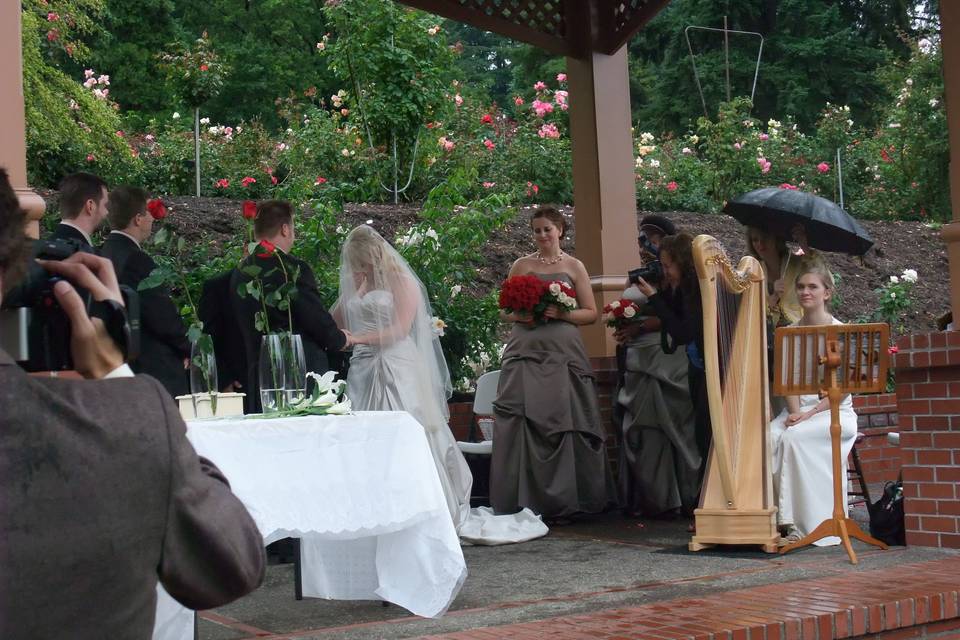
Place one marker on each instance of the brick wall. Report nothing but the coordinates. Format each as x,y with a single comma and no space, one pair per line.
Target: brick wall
928,399
876,417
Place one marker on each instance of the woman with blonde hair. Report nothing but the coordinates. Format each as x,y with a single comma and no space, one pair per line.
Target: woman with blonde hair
800,434
398,365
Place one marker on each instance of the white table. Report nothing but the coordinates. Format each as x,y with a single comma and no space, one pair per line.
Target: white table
360,491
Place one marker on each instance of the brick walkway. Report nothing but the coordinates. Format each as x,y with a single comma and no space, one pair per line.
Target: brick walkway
921,596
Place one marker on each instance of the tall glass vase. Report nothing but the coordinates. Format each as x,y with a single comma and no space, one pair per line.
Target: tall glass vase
295,369
203,380
271,369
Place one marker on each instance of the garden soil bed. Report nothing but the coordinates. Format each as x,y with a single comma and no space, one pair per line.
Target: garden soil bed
899,245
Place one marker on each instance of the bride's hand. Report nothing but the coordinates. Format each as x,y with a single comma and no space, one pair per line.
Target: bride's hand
350,340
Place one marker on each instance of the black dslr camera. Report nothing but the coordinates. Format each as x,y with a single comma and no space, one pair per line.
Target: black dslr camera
652,271
45,329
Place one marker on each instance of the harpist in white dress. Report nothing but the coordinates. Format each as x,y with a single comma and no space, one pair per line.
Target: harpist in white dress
803,464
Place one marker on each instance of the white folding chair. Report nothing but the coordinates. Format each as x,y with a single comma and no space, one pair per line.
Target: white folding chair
482,406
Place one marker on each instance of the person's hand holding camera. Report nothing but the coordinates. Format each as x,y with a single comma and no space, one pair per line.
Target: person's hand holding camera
94,353
645,287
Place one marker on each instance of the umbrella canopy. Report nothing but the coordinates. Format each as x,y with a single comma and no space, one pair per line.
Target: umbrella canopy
775,210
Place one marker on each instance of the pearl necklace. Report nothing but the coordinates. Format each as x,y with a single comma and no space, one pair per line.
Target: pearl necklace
550,260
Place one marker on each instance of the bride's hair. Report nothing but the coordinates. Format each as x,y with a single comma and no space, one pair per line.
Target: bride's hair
365,250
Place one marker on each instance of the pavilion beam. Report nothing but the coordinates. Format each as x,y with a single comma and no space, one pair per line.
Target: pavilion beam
13,133
555,44
604,190
950,42
614,39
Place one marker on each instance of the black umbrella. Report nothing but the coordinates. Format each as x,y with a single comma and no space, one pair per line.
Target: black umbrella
777,211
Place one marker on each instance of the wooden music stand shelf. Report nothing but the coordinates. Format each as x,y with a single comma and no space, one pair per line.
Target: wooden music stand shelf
853,358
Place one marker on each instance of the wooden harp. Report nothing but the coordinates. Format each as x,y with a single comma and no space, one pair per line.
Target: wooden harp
736,500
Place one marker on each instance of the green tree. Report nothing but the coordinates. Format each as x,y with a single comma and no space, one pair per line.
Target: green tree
70,126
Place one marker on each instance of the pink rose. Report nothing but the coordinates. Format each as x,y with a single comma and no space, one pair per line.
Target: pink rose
542,108
222,183
517,100
672,186
320,180
561,77
489,185
489,144
788,186
90,157
539,86
549,131
763,137
247,181
823,167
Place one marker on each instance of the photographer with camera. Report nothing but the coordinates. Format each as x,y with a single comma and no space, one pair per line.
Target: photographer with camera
164,348
676,301
101,494
83,208
659,459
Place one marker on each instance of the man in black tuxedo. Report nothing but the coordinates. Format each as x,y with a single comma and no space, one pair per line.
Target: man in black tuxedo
220,322
83,208
164,349
273,228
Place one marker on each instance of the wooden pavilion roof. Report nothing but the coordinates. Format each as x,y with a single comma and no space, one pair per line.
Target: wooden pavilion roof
573,28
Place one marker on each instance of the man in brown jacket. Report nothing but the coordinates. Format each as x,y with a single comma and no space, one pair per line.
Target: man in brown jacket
101,494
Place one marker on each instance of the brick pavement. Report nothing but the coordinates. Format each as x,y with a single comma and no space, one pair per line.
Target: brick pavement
911,600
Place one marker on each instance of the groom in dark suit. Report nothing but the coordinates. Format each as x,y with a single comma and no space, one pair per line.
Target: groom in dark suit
83,208
164,349
274,230
101,494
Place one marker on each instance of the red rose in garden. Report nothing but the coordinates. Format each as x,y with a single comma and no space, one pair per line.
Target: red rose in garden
265,249
247,181
249,209
222,183
892,350
156,209
204,67
320,180
487,119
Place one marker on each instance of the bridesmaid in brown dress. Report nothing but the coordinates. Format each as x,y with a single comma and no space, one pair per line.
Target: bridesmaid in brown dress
549,452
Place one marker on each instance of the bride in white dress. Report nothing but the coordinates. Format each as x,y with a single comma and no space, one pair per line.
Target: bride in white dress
800,435
398,365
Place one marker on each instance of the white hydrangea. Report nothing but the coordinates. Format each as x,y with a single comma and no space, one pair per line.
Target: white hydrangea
646,138
909,275
654,162
894,279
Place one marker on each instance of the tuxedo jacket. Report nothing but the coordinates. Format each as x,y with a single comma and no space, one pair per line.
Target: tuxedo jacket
66,232
311,320
101,496
220,322
163,336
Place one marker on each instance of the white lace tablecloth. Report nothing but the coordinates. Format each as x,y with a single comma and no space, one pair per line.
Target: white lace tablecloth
362,493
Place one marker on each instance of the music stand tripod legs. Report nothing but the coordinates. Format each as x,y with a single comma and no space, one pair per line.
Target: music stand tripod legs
838,524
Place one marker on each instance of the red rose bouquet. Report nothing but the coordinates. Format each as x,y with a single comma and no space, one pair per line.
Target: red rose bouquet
621,312
530,294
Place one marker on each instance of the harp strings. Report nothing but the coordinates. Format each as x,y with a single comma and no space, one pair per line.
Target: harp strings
729,361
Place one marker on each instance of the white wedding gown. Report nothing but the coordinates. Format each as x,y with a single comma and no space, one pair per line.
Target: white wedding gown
393,378
803,464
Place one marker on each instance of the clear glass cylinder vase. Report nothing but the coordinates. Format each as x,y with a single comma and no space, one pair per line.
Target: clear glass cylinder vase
271,373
